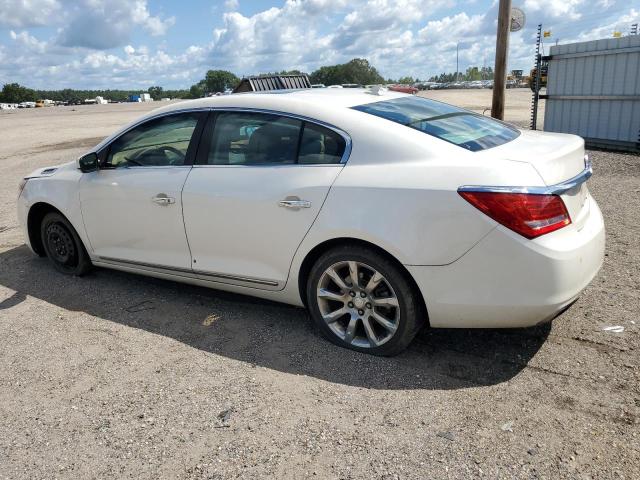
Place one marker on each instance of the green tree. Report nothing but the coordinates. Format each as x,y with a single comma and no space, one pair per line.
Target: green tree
156,92
357,71
197,90
16,93
406,80
219,80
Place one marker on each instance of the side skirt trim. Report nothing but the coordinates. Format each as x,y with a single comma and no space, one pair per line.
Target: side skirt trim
197,274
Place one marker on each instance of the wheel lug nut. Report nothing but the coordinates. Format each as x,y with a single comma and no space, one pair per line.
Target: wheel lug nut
363,294
360,312
368,305
353,294
350,304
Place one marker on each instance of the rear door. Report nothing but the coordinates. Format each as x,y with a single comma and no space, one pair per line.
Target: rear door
259,183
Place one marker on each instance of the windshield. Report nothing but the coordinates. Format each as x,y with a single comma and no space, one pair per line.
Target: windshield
452,124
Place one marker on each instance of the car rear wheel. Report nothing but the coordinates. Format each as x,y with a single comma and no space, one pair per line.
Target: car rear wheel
362,300
63,246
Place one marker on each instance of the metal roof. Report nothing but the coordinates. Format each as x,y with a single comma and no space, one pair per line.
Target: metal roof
272,82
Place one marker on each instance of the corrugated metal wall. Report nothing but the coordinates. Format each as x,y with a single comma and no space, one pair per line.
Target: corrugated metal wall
593,90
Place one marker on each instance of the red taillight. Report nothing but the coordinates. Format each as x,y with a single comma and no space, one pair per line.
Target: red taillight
530,215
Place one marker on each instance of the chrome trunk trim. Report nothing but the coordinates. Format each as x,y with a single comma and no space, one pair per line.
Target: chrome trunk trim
557,189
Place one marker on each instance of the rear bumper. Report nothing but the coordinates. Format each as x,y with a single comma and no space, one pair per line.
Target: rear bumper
509,281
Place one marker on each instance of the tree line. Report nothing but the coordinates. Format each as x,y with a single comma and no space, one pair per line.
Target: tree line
15,93
358,71
472,74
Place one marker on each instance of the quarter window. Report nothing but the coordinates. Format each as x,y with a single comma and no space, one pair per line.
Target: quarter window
320,145
160,142
247,138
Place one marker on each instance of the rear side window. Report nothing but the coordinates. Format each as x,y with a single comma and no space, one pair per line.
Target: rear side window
254,138
455,125
248,138
320,145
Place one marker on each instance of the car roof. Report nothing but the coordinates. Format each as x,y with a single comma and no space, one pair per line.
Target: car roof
322,104
318,97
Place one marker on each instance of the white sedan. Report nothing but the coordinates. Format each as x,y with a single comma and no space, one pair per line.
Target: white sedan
378,211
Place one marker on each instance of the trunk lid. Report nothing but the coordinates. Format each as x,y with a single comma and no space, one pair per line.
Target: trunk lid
557,157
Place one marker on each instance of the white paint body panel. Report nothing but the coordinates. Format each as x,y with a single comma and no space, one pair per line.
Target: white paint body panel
508,281
235,225
398,191
123,222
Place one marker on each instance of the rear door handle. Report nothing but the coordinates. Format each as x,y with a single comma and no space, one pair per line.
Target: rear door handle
294,203
163,199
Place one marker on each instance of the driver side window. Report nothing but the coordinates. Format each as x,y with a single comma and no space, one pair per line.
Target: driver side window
157,143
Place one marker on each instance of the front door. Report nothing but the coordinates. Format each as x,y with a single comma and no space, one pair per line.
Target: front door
258,188
132,206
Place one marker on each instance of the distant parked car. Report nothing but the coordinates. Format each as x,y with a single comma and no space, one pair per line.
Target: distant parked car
318,85
335,86
378,212
351,85
403,89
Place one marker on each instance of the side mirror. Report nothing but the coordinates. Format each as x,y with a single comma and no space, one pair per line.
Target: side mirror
88,163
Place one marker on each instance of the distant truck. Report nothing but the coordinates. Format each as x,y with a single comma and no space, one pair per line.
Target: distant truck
140,97
544,67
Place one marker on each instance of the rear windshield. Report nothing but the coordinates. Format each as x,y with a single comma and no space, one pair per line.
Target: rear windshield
452,124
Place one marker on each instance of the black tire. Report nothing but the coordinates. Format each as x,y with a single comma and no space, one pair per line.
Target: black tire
63,246
411,314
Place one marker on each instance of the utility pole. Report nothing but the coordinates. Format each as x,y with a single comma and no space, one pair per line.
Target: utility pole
502,47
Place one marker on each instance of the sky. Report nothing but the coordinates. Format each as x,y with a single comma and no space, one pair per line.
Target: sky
120,44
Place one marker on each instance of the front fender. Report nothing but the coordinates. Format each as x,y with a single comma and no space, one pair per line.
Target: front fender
59,190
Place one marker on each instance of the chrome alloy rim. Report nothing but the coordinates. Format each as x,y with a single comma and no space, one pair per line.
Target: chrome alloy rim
358,304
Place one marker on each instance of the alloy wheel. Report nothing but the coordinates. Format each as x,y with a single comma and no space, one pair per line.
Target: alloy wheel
358,304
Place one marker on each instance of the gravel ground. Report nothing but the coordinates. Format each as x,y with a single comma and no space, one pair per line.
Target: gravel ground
115,375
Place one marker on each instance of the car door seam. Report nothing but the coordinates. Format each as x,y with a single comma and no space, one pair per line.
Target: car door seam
286,282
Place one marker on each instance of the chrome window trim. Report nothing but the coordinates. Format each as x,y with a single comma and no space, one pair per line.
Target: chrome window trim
557,189
347,138
303,118
192,273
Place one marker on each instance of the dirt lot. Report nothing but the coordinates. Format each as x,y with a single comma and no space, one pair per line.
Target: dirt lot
115,375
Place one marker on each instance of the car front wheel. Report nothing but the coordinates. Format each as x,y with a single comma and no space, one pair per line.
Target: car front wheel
63,245
361,300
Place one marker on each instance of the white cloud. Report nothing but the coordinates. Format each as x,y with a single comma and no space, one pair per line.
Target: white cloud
95,43
104,24
555,8
231,4
29,13
28,42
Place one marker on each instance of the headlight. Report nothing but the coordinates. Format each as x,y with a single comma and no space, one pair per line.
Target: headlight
23,182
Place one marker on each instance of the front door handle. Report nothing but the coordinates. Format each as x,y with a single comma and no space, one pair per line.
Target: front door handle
163,199
294,203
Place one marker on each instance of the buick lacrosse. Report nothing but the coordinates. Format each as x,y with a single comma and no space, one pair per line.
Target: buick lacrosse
378,211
